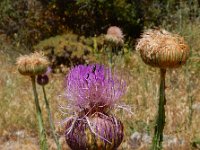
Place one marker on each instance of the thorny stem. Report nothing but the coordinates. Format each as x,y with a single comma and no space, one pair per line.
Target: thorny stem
160,122
51,120
42,134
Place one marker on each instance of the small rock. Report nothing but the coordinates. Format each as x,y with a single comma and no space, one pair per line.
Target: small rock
146,138
171,141
136,136
135,140
196,106
20,133
138,139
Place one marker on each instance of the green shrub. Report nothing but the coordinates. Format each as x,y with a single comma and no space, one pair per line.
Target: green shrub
69,49
29,22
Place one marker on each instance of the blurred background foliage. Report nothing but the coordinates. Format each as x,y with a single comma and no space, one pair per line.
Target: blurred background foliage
65,29
34,20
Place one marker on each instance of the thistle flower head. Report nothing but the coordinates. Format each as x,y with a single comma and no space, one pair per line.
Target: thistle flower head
33,64
162,49
114,36
93,87
43,79
91,91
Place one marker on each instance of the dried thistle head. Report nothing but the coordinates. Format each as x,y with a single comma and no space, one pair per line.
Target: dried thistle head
93,88
114,36
33,64
160,48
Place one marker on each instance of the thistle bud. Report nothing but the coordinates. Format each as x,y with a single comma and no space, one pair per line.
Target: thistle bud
160,48
94,133
42,79
33,64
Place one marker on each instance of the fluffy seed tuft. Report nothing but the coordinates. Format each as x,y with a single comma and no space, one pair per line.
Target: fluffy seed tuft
114,36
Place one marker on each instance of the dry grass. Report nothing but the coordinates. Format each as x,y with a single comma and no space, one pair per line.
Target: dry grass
17,112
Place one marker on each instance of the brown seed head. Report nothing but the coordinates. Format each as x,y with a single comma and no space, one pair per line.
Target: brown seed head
160,48
33,64
114,35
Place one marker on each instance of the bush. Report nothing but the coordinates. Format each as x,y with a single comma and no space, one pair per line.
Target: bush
29,22
69,49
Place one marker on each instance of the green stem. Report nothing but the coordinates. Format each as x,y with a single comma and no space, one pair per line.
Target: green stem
160,122
42,135
190,97
51,120
190,111
111,59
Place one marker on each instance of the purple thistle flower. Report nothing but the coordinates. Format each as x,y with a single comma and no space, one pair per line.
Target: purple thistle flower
93,86
91,91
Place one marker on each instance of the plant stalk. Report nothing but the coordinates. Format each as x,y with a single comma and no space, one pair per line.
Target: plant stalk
111,59
160,122
51,120
42,134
